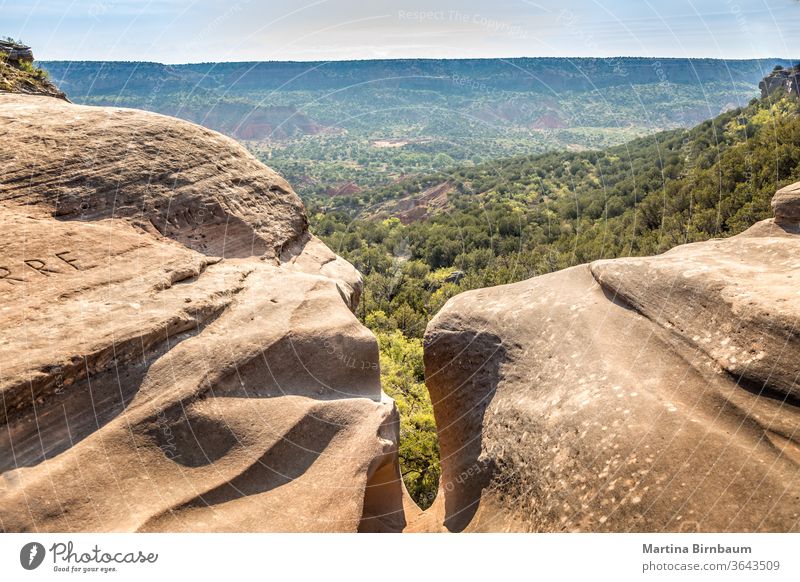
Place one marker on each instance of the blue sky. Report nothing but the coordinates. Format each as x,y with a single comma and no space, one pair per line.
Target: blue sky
174,31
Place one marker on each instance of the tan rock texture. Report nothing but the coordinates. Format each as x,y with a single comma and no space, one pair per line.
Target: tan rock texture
786,204
638,394
177,352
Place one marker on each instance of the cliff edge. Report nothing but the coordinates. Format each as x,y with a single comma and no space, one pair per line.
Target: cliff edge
782,80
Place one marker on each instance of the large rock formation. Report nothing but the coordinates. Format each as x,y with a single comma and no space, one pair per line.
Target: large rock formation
783,80
18,75
178,352
15,52
786,205
638,394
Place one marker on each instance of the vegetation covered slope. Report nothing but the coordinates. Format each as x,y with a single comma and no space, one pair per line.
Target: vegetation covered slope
530,215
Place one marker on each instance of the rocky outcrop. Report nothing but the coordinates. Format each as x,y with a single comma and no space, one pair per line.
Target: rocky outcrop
14,52
418,206
783,80
165,366
637,394
786,205
18,75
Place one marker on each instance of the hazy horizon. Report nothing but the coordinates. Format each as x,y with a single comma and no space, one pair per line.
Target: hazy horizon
489,58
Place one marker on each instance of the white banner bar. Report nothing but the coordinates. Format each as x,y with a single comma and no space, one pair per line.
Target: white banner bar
404,557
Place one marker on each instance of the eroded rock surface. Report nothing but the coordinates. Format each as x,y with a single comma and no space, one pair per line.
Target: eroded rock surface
177,353
640,394
786,204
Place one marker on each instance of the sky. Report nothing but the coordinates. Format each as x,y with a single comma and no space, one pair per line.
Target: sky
173,31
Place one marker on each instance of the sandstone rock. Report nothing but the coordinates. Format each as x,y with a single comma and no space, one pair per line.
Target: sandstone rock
786,204
17,75
784,80
641,394
166,365
15,52
174,179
